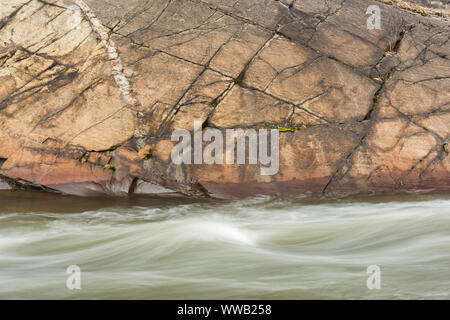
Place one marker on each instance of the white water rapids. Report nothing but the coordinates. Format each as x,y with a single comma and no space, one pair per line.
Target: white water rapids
249,249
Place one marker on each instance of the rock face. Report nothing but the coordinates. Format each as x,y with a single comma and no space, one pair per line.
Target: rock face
91,91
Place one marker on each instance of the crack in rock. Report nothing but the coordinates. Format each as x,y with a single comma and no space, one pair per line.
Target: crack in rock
117,68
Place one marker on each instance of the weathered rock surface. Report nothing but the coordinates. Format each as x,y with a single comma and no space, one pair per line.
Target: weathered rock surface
89,97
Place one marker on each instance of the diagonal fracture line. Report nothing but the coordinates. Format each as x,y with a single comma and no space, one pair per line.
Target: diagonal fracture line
117,67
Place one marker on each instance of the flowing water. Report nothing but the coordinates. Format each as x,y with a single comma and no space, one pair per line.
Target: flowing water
156,248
